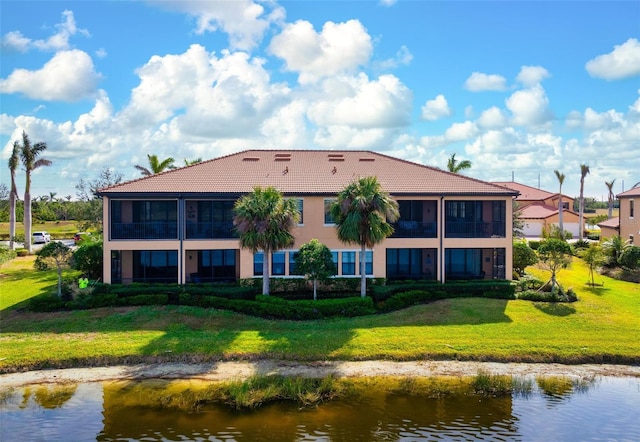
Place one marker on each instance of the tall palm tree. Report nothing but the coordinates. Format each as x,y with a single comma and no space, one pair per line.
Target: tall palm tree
611,197
560,177
584,170
14,160
361,212
457,166
29,155
264,220
155,165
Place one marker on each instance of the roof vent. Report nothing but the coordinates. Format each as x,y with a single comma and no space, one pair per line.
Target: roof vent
251,159
282,157
335,157
367,159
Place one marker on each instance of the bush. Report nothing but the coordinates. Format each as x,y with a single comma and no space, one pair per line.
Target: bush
528,282
553,296
88,259
22,252
6,254
534,245
580,245
630,258
523,256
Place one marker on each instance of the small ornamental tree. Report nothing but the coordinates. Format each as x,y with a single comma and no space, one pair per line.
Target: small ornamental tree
555,254
523,256
314,260
54,255
592,256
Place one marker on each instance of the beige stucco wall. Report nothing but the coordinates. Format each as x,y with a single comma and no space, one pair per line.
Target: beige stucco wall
630,226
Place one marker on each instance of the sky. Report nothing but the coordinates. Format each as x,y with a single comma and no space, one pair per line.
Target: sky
518,88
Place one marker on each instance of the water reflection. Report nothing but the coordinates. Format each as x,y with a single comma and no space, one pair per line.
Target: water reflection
556,409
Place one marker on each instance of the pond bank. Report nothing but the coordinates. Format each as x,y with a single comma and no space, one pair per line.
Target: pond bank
236,370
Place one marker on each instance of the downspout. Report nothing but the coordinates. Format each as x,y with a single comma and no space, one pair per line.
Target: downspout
442,256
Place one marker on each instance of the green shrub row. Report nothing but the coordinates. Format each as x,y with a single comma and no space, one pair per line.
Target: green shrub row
489,288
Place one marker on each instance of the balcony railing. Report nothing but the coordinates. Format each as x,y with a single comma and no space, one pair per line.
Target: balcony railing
414,229
150,230
210,230
475,229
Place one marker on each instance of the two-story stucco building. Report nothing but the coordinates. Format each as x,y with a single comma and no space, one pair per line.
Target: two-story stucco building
629,216
177,226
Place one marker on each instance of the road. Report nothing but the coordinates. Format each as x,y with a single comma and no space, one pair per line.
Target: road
36,247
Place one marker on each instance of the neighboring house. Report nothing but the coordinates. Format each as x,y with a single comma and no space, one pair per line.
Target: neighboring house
538,209
609,228
629,215
177,226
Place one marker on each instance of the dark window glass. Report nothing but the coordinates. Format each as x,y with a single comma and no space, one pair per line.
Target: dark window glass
277,263
348,263
258,260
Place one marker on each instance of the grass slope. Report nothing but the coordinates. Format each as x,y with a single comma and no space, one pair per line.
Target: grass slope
603,326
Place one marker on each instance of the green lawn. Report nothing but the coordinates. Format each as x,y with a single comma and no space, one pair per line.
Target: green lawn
57,229
603,326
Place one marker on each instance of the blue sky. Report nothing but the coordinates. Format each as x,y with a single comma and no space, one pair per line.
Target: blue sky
518,88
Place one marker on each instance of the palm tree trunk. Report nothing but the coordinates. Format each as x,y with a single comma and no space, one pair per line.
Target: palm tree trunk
12,220
265,273
363,276
27,221
315,289
581,216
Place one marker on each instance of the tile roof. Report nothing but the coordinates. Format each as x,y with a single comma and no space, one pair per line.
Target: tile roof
306,172
527,193
537,211
613,222
634,191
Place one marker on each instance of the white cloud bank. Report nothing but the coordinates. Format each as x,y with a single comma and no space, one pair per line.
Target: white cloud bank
622,62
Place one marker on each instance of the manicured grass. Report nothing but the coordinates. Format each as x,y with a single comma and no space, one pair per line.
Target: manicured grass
603,326
57,229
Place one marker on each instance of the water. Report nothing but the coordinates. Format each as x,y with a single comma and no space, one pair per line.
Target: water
605,410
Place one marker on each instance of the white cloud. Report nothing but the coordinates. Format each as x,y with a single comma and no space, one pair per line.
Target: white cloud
388,2
492,118
186,86
485,82
338,48
532,75
362,103
436,108
69,76
56,42
402,58
454,133
530,107
245,21
622,62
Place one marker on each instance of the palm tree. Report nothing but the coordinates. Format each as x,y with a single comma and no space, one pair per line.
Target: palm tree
14,160
192,162
611,197
456,166
155,165
560,177
360,213
29,155
584,170
264,220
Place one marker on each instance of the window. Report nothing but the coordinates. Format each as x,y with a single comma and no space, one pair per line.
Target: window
348,263
328,219
334,257
155,266
463,263
277,263
258,260
217,265
292,264
411,263
631,208
368,264
301,210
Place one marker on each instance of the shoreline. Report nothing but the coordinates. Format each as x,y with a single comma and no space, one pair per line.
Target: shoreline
238,370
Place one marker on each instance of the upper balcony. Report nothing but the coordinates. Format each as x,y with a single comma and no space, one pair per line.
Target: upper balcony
475,219
145,230
417,219
210,230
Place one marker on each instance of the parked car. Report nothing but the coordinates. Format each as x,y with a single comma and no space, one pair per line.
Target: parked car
41,237
80,236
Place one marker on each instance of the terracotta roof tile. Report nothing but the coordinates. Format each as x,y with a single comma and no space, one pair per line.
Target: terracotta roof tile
526,192
306,172
613,223
635,191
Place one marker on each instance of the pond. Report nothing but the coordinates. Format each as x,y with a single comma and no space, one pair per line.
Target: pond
604,408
